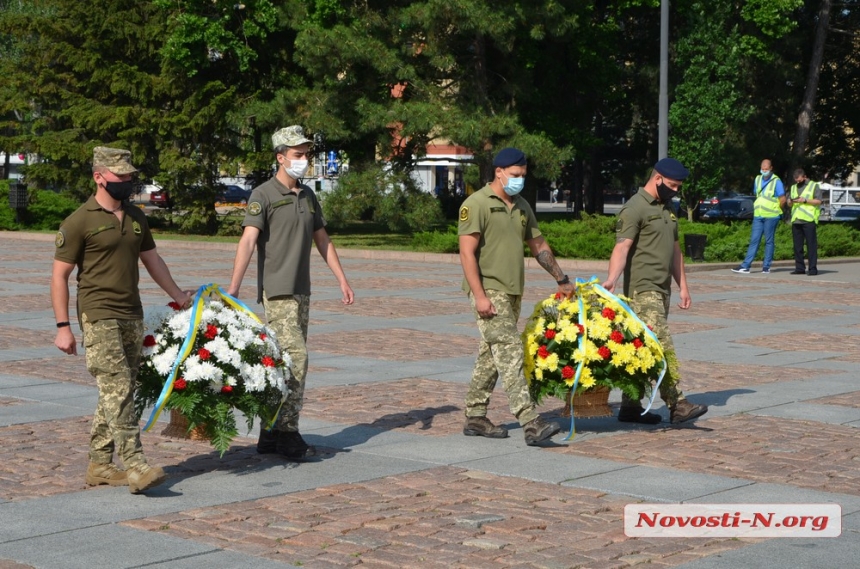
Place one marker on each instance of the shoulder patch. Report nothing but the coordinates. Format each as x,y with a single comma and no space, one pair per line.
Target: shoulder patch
135,226
672,215
619,225
255,208
464,213
60,239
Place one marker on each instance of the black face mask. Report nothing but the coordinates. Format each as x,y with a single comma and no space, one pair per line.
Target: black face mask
665,193
120,191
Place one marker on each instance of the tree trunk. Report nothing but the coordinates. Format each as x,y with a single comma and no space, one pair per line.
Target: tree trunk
804,120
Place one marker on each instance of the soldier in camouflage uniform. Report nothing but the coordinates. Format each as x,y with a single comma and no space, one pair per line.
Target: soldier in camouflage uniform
104,239
647,253
282,220
494,222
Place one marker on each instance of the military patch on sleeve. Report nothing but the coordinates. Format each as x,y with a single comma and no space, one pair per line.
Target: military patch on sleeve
254,208
619,225
464,213
135,226
60,239
672,215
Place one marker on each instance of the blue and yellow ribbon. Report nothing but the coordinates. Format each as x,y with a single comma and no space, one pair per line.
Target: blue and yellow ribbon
583,287
188,345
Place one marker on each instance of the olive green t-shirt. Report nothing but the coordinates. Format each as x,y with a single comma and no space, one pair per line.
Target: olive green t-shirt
502,232
287,222
106,252
653,228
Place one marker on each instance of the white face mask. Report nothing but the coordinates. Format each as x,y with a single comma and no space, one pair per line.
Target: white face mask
297,169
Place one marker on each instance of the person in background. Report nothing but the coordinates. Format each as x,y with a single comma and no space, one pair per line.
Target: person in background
767,211
805,202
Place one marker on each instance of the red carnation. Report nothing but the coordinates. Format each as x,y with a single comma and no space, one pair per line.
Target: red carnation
263,337
180,384
174,305
608,313
604,352
617,337
637,343
543,352
148,341
549,334
227,389
581,328
567,372
211,331
558,296
204,354
268,361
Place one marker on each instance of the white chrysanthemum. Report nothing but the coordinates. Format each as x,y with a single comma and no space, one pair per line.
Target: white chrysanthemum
275,376
240,337
154,315
221,351
164,361
254,376
179,323
196,370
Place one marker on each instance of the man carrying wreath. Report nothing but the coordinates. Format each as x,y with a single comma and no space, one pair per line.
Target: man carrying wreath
647,252
494,222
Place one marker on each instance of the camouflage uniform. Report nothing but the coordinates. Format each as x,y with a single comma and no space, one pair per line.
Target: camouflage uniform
653,308
287,221
653,228
288,317
502,271
113,357
500,354
106,251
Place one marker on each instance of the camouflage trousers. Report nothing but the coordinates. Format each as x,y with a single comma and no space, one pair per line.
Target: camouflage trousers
113,358
652,307
500,354
288,317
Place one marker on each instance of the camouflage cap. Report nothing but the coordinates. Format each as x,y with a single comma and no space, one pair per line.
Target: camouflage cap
114,160
289,136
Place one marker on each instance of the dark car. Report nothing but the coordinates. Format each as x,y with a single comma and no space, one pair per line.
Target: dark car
712,201
233,195
731,208
846,214
160,199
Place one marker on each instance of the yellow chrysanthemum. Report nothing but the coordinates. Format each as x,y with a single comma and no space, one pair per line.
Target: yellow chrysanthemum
599,328
586,380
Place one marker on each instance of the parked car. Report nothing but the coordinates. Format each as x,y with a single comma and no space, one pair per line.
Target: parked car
712,201
731,208
233,195
846,214
160,198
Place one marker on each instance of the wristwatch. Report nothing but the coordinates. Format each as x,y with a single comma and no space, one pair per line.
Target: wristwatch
564,281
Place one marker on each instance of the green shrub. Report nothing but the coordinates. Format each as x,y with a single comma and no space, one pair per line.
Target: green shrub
437,241
382,196
7,214
48,209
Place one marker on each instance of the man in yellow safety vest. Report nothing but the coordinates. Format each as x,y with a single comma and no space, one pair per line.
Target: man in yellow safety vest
805,201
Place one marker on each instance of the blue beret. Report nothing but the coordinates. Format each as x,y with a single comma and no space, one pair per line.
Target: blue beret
510,157
671,168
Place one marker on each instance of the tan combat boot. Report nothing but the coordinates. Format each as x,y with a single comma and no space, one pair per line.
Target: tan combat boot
686,411
143,477
538,430
483,427
98,474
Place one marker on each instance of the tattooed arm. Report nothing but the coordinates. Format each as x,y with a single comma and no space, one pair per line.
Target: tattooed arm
541,251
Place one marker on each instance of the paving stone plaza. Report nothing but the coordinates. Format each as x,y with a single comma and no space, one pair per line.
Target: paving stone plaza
774,356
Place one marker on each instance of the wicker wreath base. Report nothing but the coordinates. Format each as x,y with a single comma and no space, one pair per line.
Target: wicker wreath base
178,428
591,403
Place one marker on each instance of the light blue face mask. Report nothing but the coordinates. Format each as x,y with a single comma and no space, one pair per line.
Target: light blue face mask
514,186
765,173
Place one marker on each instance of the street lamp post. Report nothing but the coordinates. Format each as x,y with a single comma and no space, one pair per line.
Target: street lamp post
663,119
